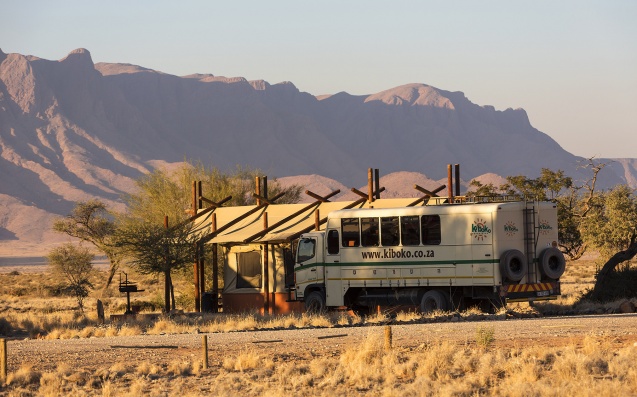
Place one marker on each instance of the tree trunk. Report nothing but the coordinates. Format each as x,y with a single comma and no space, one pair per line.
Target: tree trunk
172,294
167,284
609,266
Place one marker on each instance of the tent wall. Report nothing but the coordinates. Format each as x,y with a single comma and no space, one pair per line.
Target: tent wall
243,287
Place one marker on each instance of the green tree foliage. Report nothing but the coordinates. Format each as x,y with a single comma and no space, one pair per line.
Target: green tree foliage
611,225
90,221
74,264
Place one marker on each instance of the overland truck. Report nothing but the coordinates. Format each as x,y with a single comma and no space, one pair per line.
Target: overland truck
434,257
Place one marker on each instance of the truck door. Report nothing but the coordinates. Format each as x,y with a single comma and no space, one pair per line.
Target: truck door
305,267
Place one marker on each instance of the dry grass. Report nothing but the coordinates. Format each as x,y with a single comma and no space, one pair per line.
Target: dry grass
592,368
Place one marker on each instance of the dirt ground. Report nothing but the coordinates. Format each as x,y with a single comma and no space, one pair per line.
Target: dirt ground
305,344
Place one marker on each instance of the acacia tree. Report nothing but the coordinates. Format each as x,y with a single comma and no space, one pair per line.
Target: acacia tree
90,221
74,264
611,227
156,249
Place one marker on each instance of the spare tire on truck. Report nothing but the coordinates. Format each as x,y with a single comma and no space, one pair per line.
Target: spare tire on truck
513,265
552,263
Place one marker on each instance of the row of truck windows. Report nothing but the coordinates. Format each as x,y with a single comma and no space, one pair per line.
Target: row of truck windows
391,231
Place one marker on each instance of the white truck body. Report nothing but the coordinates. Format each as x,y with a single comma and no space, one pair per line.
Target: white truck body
486,251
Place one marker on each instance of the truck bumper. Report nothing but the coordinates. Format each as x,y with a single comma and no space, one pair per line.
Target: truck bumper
530,292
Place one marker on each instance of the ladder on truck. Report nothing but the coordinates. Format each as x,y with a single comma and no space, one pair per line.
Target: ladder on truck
530,238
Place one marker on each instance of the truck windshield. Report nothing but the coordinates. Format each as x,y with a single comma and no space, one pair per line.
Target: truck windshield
306,250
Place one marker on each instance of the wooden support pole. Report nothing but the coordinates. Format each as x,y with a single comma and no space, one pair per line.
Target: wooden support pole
370,185
457,169
377,183
200,200
195,267
195,272
265,187
204,351
166,275
3,361
257,188
215,268
450,183
266,271
317,220
202,271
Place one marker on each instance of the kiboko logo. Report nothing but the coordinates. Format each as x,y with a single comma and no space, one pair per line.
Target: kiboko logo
510,229
479,229
545,227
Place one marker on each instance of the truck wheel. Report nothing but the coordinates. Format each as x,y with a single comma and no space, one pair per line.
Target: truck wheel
434,300
513,265
315,302
552,263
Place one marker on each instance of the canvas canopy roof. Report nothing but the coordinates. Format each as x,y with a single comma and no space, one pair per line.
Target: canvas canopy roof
247,230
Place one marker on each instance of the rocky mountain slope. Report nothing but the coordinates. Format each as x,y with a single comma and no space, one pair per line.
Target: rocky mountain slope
71,130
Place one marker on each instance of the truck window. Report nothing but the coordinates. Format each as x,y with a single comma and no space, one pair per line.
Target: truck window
389,236
369,232
351,233
409,230
332,242
430,227
306,250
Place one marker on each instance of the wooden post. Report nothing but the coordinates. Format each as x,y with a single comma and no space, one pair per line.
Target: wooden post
257,188
377,183
195,266
202,274
215,268
204,351
370,185
388,337
317,220
3,360
266,272
200,203
166,275
450,183
457,168
265,186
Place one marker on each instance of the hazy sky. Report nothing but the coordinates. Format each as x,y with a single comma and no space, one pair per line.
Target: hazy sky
572,65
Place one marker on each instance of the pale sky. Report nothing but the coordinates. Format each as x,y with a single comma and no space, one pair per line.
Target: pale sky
572,65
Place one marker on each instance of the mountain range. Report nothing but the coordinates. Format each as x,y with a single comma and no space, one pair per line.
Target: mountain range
72,130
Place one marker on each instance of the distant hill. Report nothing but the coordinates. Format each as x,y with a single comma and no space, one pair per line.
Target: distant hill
71,130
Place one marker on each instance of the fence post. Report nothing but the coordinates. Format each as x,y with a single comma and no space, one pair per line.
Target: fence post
3,360
204,351
388,337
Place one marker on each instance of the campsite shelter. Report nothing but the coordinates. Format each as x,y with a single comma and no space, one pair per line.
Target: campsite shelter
255,244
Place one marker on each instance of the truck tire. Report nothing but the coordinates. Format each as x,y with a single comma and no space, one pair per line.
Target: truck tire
315,302
552,263
434,300
513,265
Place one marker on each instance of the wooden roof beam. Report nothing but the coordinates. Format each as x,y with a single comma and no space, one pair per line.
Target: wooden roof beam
323,199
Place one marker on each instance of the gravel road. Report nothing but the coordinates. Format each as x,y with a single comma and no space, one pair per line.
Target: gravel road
93,353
